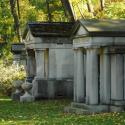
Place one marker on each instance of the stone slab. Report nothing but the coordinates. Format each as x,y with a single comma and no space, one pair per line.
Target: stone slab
116,109
91,108
118,102
70,109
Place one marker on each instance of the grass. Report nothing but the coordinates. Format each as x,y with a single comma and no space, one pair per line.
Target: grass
50,113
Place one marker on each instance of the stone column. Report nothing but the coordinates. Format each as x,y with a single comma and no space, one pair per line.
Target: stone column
92,76
117,79
105,78
39,55
30,66
16,60
79,83
46,55
40,73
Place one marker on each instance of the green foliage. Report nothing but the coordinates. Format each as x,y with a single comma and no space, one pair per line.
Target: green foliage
36,10
50,112
7,75
116,10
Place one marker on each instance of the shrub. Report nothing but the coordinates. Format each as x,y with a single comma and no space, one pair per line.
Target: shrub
7,75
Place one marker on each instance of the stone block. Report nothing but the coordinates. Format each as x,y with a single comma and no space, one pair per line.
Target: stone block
70,109
91,108
118,102
52,88
116,109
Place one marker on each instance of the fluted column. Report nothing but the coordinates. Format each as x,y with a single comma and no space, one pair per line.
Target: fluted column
39,55
92,76
16,60
79,83
117,79
105,77
31,71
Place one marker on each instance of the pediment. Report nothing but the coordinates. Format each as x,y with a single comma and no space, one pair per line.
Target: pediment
81,31
29,37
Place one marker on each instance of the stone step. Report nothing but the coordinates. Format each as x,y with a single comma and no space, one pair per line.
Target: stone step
91,108
79,105
70,109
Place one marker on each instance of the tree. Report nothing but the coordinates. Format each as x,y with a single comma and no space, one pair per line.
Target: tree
16,18
102,4
68,10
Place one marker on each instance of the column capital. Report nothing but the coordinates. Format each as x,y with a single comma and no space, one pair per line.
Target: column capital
79,49
37,50
93,50
114,50
92,47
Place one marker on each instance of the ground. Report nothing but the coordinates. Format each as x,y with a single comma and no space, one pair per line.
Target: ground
51,113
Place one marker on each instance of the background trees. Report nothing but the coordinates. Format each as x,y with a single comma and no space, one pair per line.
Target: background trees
14,14
98,9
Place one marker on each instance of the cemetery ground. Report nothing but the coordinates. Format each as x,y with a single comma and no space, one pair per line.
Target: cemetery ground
50,112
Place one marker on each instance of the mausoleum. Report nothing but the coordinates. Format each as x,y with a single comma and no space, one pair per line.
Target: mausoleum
99,66
50,59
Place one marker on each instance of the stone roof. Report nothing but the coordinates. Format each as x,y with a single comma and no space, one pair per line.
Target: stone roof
43,29
102,27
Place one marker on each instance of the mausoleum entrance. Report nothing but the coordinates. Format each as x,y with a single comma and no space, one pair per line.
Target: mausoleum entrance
99,66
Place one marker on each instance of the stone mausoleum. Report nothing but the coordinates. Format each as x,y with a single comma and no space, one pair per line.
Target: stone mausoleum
50,59
99,66
94,60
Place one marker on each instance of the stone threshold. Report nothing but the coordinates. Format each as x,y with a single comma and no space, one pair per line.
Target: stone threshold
81,108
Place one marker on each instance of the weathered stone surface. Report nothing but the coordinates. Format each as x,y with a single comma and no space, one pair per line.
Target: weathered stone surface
79,83
53,88
105,66
92,108
117,77
105,79
81,108
116,109
92,77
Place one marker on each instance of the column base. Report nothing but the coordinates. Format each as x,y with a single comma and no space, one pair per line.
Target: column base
117,108
118,102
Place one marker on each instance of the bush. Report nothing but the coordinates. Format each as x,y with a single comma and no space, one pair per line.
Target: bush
7,75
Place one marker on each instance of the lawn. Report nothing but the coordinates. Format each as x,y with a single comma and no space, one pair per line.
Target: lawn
51,113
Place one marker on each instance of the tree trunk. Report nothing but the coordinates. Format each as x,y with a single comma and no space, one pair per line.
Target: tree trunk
16,19
90,6
48,10
102,4
68,9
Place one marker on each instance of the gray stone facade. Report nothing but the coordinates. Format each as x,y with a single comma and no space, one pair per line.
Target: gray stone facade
50,61
99,80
